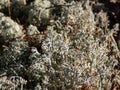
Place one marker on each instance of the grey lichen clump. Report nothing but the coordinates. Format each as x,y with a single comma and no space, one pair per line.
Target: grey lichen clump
4,3
34,35
76,47
14,58
58,2
9,29
39,12
17,48
39,67
17,7
16,54
77,55
11,82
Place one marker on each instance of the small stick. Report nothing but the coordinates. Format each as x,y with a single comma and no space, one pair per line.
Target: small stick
9,10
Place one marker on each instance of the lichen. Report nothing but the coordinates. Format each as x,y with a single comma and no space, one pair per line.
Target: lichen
9,29
39,12
75,50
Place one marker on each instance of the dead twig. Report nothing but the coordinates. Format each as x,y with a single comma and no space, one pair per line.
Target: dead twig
9,8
